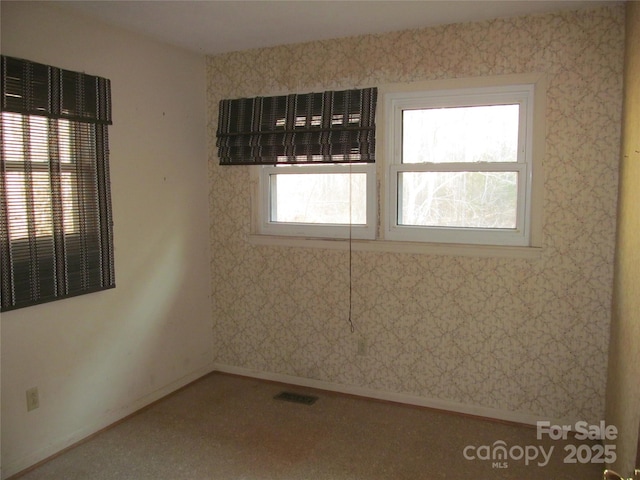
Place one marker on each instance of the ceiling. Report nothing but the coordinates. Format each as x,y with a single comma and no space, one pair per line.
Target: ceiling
216,26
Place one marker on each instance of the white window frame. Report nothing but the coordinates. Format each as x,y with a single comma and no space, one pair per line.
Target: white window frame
396,102
306,230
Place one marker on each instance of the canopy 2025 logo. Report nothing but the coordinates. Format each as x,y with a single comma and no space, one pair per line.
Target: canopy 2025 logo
500,454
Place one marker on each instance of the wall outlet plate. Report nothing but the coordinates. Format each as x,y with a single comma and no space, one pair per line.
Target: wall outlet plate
33,399
362,346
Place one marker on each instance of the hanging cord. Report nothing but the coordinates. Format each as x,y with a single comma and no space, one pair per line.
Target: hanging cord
351,283
351,326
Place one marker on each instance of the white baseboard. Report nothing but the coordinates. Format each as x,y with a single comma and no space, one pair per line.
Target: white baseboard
435,403
12,466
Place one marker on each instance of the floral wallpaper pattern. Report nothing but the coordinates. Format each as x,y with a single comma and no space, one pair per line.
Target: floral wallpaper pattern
519,335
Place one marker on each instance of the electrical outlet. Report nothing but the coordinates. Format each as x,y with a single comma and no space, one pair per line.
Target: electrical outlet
33,399
362,346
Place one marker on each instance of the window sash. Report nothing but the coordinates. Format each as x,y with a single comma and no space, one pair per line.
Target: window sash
268,226
397,103
439,136
445,234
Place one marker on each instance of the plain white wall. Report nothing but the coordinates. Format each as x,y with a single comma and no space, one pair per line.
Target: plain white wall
98,357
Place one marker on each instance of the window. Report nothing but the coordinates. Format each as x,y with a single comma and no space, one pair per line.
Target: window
55,213
317,152
324,201
460,165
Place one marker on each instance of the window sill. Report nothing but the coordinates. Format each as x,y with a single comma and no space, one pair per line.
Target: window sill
458,250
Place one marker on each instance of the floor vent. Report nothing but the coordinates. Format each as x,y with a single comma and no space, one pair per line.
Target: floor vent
296,398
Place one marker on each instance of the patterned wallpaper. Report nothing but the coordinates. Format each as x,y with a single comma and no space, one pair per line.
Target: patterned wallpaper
519,335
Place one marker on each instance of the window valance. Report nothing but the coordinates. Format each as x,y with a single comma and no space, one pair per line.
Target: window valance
327,127
32,88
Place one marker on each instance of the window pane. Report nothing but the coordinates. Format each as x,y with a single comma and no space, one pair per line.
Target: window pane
12,137
64,141
42,213
38,139
458,199
461,134
17,201
16,205
69,202
319,198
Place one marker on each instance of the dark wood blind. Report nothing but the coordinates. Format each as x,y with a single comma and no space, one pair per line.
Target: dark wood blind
327,127
56,236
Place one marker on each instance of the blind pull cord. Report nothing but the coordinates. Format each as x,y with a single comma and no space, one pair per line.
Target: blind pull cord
351,326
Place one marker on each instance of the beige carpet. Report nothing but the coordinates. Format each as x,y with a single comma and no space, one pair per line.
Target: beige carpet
225,427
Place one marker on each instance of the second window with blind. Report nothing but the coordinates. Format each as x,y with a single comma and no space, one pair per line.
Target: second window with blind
56,236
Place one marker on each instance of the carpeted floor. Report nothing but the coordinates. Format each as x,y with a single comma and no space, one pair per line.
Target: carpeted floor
225,427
